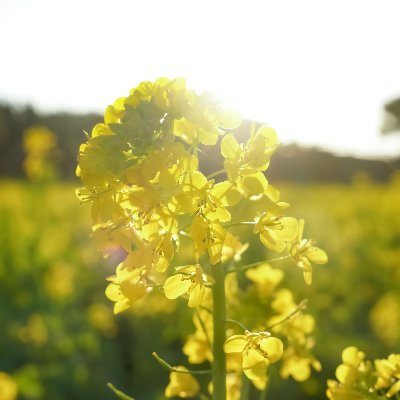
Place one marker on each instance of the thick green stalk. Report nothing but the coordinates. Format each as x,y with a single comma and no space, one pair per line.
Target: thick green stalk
264,393
219,316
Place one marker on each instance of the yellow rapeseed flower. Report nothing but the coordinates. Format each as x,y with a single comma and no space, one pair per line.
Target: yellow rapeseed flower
188,279
182,385
303,252
258,351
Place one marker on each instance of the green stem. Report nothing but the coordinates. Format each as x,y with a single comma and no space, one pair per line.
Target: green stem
245,390
219,317
118,393
264,393
233,321
216,173
239,223
203,327
182,371
299,308
255,264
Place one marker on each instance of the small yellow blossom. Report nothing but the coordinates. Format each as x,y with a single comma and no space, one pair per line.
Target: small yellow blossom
336,391
303,252
198,346
258,351
125,288
353,365
275,231
388,371
188,279
265,277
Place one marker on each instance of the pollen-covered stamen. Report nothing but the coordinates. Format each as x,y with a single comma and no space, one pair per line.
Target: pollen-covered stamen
305,245
274,222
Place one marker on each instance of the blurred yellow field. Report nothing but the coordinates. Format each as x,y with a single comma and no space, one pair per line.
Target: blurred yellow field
55,313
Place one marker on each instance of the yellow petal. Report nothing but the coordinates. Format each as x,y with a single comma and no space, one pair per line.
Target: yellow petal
255,184
209,138
273,347
176,286
121,306
194,181
196,296
260,384
352,357
300,370
272,193
345,374
133,291
113,292
317,255
394,389
290,228
271,240
269,134
307,275
230,148
226,193
182,385
235,344
184,129
254,364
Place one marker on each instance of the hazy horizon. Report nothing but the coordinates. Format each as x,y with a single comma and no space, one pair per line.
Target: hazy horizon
319,73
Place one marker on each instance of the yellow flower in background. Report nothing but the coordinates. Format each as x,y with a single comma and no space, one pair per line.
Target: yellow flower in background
188,279
40,144
258,350
384,318
357,377
35,331
299,368
198,346
8,387
265,277
336,391
39,141
182,384
348,373
233,386
353,365
101,317
303,252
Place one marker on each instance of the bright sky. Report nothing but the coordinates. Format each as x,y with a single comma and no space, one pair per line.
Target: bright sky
317,71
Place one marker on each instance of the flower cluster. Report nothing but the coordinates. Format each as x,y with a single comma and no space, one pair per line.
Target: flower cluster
359,379
169,224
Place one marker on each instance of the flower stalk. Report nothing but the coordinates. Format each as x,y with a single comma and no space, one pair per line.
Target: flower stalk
219,318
